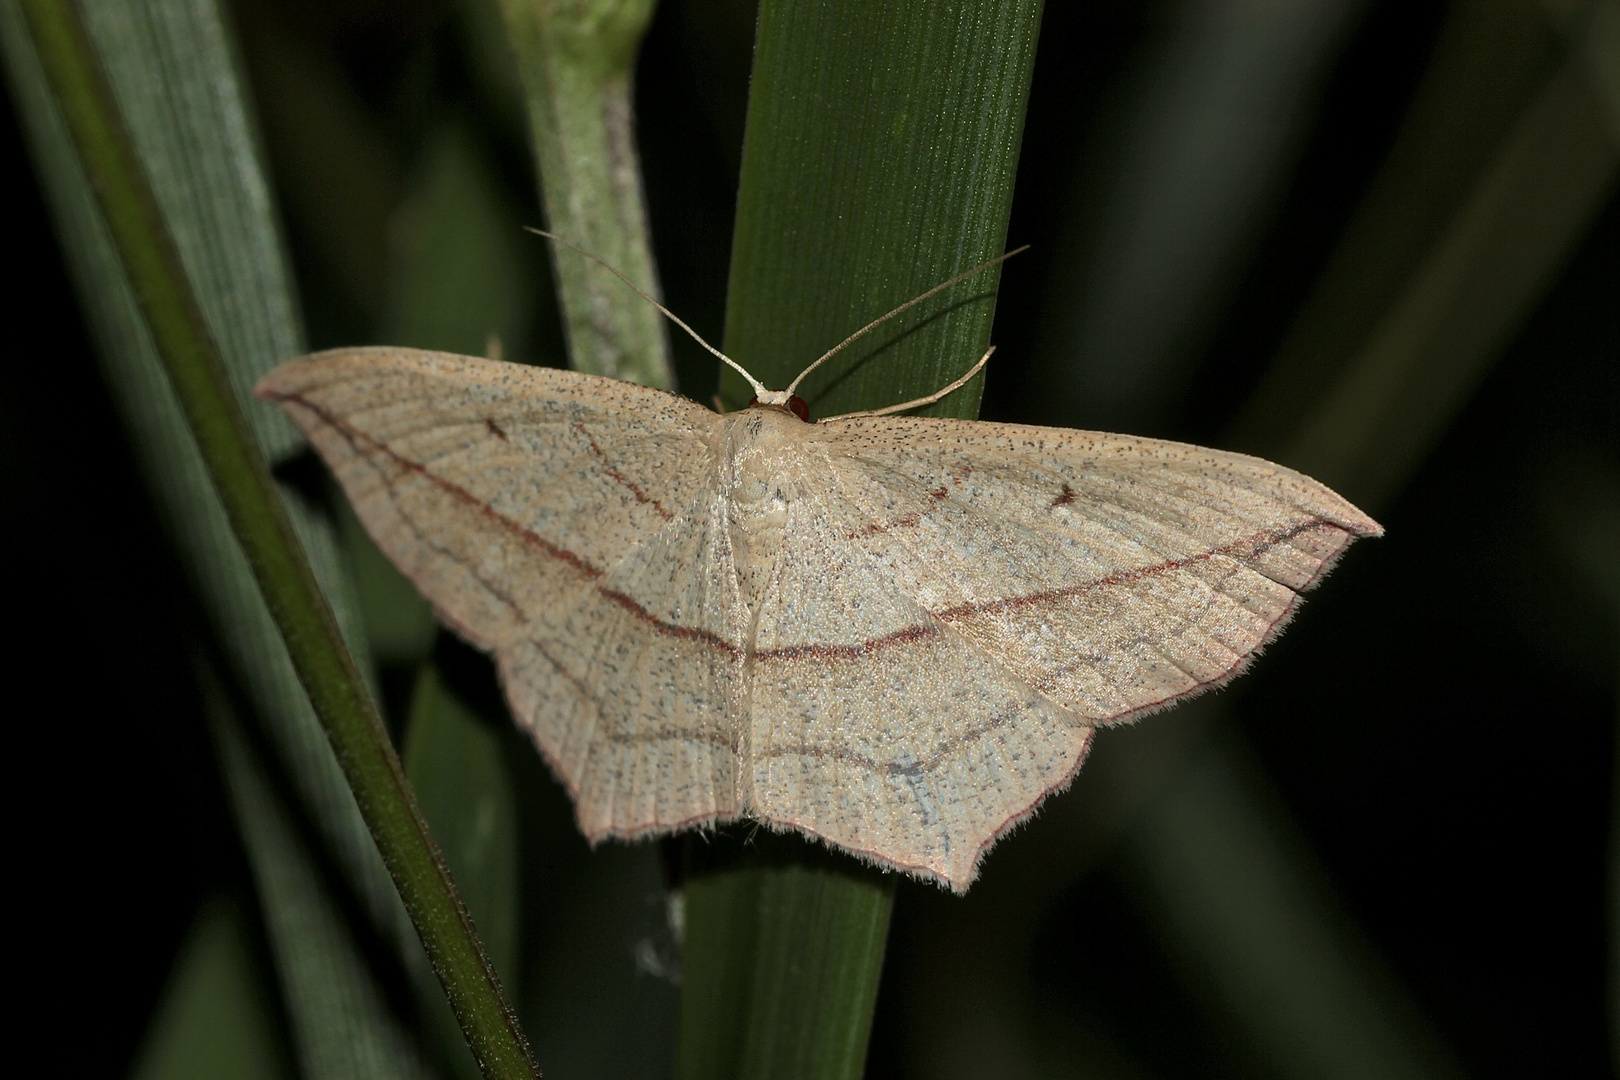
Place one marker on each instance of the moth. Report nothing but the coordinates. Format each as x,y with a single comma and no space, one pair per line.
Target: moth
895,633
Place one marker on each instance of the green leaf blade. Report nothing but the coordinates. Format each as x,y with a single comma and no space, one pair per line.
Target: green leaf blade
879,161
881,146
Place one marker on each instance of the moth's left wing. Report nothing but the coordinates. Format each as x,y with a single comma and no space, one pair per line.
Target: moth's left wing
568,524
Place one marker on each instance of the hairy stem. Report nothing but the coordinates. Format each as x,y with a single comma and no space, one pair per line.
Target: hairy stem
577,59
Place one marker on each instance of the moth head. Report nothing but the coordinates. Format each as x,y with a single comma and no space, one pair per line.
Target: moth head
781,399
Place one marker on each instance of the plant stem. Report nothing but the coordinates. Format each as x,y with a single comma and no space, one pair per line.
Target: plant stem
577,59
262,527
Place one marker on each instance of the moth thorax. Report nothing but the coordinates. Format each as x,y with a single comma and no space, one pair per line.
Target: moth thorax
756,542
759,517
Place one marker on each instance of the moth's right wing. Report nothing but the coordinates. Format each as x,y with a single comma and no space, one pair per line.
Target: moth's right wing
1115,574
957,605
569,524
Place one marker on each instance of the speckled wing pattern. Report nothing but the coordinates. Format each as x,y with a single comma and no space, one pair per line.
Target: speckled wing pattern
915,651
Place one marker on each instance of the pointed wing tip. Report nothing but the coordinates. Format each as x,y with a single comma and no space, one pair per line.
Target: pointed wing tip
291,376
295,376
1363,527
273,387
1341,512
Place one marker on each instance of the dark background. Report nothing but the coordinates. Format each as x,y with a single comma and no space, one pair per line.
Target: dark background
1437,728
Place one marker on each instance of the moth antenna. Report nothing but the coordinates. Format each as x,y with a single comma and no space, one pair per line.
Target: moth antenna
759,389
880,320
919,402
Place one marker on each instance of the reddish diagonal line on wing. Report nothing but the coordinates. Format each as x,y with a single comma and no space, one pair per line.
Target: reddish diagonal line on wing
528,536
911,520
1250,546
623,481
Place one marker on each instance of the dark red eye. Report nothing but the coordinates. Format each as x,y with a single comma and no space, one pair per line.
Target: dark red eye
796,405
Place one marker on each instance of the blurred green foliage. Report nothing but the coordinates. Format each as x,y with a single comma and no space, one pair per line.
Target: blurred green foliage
216,1015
